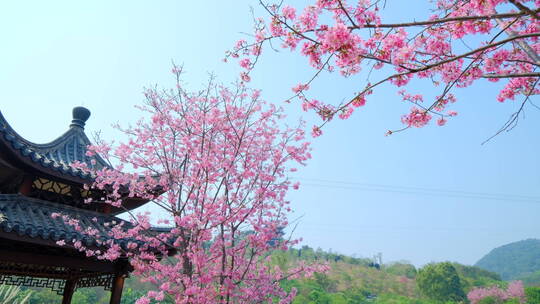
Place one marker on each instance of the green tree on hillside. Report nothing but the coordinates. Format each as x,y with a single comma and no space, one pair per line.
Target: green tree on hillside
472,276
533,295
440,282
401,269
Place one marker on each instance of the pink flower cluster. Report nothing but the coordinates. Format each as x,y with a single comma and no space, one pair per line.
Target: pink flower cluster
513,291
416,118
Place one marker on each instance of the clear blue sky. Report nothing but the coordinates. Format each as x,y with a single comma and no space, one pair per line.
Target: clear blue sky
100,54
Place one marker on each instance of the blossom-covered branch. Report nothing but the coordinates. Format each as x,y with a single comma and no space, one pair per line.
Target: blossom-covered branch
462,43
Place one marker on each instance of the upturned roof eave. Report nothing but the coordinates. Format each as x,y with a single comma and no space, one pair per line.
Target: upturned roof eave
53,160
32,155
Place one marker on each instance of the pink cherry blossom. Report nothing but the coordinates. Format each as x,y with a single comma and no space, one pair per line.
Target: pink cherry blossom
502,44
245,63
513,291
289,12
245,77
441,121
416,118
316,131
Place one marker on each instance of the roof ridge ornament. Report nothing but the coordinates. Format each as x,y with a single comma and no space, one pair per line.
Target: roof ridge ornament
80,116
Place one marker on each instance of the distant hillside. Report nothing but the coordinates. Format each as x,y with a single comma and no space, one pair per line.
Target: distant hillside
360,281
514,260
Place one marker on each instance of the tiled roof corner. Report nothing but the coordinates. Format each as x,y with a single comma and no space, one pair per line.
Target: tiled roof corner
57,155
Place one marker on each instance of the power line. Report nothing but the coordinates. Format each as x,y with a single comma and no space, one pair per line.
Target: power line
322,183
368,228
414,188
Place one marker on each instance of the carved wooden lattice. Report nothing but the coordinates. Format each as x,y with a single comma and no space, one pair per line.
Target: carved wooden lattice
52,186
51,277
56,285
54,191
103,280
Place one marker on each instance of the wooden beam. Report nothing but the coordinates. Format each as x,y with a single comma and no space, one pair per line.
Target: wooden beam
116,292
69,289
26,186
87,264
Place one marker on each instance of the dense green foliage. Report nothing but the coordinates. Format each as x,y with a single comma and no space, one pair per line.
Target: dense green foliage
493,300
514,260
401,269
440,282
472,276
307,253
397,299
533,295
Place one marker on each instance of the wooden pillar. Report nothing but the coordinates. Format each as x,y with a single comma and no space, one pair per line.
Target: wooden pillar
69,289
116,292
25,188
107,209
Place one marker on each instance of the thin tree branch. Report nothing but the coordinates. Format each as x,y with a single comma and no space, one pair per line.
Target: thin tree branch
525,9
513,120
444,20
532,74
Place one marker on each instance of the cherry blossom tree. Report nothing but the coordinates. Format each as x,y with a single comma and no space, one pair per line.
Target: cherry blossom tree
460,44
514,291
220,157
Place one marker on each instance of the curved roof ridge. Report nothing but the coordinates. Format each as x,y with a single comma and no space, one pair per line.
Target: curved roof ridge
58,154
56,141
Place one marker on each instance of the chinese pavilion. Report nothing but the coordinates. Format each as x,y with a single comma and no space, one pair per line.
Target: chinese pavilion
37,180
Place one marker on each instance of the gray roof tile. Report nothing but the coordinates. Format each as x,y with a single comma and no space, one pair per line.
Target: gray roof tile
32,218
